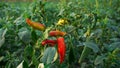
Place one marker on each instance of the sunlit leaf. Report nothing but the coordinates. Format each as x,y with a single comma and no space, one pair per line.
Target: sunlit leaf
23,64
19,21
55,57
4,32
46,32
1,58
20,65
41,65
2,36
61,12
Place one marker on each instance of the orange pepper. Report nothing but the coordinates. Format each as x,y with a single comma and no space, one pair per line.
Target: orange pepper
35,25
57,33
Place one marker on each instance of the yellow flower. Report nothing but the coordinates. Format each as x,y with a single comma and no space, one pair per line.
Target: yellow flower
62,22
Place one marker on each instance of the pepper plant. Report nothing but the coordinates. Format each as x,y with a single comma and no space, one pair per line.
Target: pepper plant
60,34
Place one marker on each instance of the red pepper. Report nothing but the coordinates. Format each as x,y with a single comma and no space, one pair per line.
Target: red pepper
49,42
57,33
35,25
61,48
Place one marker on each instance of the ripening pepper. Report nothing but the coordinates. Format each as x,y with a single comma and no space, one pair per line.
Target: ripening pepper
57,33
35,25
49,42
61,48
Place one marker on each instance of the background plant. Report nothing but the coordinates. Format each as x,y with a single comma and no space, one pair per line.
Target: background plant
92,40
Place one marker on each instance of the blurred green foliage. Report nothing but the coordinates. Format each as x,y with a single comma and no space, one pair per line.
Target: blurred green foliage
93,33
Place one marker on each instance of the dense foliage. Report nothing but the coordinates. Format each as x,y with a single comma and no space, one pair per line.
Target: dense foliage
92,34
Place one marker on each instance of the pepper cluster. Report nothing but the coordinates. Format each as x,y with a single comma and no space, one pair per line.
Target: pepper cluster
54,33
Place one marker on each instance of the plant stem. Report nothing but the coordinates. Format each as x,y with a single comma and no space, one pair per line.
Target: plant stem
84,54
86,50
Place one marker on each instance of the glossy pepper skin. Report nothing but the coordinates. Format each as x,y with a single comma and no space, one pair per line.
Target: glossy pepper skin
57,33
49,42
35,25
61,48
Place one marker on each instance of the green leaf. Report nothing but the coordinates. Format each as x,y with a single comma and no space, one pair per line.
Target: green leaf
2,41
35,60
99,59
61,12
49,55
115,39
8,65
4,32
25,36
92,45
1,58
19,20
23,64
28,50
96,33
34,36
71,55
114,46
2,36
1,32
